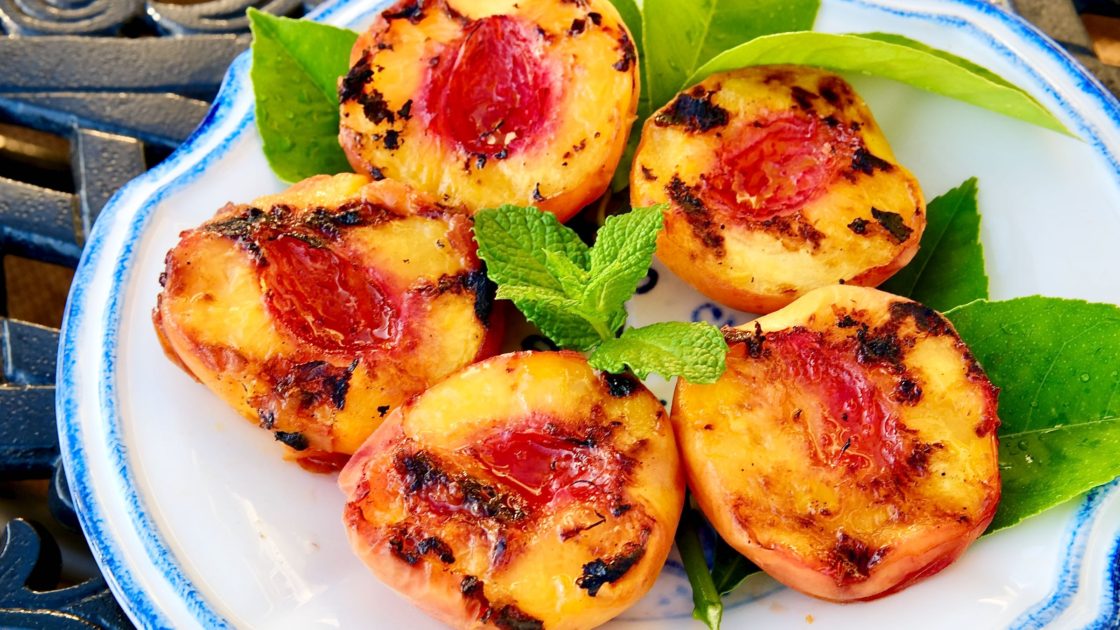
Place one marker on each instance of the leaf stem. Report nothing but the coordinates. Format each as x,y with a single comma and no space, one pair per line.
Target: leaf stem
707,605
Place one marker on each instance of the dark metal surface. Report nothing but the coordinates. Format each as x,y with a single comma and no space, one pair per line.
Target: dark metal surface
30,565
115,96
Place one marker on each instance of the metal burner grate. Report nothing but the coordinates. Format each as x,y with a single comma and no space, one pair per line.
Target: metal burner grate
93,92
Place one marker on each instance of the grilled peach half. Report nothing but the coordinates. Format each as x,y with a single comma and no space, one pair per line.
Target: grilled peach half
490,102
316,311
526,491
778,181
850,449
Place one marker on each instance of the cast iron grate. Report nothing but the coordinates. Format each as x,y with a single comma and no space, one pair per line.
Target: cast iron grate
93,92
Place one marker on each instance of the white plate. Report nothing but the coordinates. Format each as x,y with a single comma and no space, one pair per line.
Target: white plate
197,522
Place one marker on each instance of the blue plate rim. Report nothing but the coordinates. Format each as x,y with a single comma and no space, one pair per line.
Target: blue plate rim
138,604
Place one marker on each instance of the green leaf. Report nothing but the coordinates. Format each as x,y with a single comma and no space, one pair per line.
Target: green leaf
935,72
949,268
695,351
681,37
1044,468
730,568
960,61
631,14
621,258
296,66
1058,364
572,278
513,241
706,603
559,317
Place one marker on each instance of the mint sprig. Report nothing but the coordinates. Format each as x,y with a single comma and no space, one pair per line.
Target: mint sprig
577,295
695,351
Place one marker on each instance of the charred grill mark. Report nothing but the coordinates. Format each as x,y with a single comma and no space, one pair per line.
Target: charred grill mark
753,340
925,318
422,474
880,346
405,112
316,382
569,533
266,419
411,10
858,226
242,226
537,196
596,18
864,162
893,223
382,410
908,392
852,559
485,291
475,282
629,56
376,174
294,440
454,14
410,548
835,91
376,109
804,98
697,215
253,225
355,81
620,385
695,112
510,617
918,459
793,226
648,174
392,139
609,570
472,587
577,27
847,321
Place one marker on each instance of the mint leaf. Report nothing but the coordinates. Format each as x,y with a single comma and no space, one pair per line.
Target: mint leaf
949,268
512,240
1058,364
577,296
935,71
681,37
559,317
296,66
620,260
572,277
694,351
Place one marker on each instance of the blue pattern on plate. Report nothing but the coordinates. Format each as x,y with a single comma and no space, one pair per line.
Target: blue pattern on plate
139,603
1069,580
